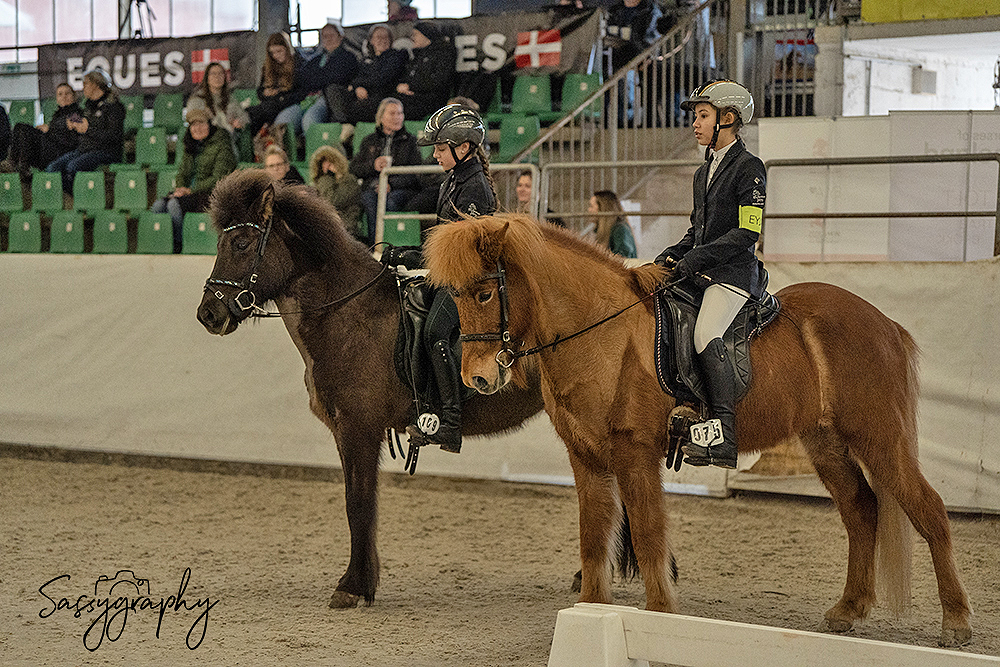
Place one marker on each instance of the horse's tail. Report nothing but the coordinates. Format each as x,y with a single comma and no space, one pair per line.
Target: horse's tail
894,534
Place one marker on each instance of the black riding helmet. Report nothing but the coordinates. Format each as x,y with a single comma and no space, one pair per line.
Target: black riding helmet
453,125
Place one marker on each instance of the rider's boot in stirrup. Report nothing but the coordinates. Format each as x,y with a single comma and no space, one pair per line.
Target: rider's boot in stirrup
449,434
719,376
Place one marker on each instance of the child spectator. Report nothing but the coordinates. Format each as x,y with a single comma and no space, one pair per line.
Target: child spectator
101,130
336,184
389,144
378,74
208,156
278,92
38,146
327,71
427,78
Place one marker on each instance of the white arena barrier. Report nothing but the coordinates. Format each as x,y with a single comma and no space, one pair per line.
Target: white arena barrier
599,635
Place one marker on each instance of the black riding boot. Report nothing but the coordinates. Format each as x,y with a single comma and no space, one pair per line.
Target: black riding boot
718,372
446,372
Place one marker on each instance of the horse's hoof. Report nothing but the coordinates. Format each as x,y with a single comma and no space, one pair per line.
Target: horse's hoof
838,625
955,637
344,600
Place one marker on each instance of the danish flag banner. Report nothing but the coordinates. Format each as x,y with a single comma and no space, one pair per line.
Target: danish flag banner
150,66
538,48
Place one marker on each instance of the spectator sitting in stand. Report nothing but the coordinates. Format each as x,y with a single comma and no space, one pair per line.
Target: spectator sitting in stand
523,191
38,146
208,157
336,184
278,167
4,132
101,130
379,72
400,10
279,92
612,231
327,71
389,144
214,96
427,78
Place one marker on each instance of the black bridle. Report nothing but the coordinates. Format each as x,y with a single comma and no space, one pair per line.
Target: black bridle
507,356
239,309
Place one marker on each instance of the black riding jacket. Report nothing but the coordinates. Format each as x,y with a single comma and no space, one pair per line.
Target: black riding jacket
725,222
465,192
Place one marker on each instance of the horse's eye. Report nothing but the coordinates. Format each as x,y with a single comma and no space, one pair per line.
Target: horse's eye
484,296
241,244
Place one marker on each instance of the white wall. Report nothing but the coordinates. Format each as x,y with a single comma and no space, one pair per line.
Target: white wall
962,83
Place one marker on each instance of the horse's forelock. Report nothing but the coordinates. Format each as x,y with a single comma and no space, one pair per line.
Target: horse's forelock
236,197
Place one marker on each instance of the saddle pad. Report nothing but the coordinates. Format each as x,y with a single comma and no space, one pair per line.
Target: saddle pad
677,367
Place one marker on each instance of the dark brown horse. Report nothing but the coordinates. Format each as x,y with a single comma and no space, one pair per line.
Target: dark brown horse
300,256
832,370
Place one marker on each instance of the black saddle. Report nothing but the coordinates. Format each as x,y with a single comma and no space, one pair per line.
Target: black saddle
676,364
411,358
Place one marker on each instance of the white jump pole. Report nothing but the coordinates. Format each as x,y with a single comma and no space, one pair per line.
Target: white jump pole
596,635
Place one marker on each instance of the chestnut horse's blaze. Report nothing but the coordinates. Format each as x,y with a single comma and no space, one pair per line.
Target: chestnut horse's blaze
832,370
341,310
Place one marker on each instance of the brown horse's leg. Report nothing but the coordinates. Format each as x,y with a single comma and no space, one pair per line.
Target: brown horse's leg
359,454
640,485
858,509
599,513
926,511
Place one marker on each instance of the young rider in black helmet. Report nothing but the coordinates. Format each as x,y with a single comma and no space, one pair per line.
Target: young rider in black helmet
718,248
457,133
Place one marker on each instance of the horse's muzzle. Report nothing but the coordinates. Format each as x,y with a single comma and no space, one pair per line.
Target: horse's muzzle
491,385
215,315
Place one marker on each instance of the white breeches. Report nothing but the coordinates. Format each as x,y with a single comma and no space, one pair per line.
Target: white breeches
718,310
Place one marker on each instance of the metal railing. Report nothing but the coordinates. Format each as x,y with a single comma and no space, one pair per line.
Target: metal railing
889,160
495,169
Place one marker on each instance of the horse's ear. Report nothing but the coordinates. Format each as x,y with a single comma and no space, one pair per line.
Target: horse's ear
491,243
266,204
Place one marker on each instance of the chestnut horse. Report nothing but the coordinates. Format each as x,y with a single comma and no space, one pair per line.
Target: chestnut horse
341,309
832,370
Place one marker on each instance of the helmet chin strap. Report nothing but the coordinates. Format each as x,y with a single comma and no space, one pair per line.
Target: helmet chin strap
454,155
715,136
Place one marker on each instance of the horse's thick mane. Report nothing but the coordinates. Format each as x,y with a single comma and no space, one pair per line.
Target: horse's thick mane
309,216
459,254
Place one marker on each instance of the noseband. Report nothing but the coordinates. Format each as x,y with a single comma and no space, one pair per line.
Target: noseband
237,306
506,356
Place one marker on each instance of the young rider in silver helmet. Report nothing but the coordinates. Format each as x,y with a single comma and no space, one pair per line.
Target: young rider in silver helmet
718,248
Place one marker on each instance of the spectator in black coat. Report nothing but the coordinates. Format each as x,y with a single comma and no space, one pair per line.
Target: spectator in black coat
4,132
38,146
328,71
380,70
389,144
101,130
428,76
279,91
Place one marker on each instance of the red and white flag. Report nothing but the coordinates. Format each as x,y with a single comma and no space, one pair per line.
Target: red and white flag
202,58
538,48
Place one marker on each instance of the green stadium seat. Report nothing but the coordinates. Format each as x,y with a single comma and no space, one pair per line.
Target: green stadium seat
361,130
166,182
247,97
198,236
495,110
322,134
151,147
22,111
516,134
67,232
134,107
88,191
49,107
11,198
155,234
130,191
110,233
25,232
46,191
168,112
402,231
577,88
532,95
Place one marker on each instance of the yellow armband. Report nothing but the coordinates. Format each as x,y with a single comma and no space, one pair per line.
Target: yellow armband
750,218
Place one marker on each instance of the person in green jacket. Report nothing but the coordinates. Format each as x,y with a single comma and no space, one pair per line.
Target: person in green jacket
613,231
330,173
208,156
